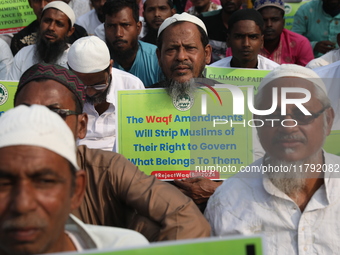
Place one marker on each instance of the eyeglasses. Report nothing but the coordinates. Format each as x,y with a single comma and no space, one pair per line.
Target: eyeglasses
99,86
63,113
300,118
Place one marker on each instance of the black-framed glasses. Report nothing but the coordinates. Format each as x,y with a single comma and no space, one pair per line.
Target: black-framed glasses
63,113
300,118
99,86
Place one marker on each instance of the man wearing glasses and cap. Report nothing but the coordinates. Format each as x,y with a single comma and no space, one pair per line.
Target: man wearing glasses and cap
291,195
89,59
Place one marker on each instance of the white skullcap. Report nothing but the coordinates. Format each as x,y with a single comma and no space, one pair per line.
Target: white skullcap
182,17
36,125
291,70
63,7
88,55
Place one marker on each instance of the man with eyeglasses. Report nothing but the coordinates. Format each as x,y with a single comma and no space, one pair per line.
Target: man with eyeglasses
117,193
291,195
89,59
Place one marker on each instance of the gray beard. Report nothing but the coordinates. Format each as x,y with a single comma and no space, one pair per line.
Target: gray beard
176,89
291,182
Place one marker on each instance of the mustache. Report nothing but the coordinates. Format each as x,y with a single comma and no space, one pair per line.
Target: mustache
185,63
50,33
158,20
269,30
283,138
119,40
23,222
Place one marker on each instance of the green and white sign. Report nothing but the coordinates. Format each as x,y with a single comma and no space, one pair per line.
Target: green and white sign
7,92
156,134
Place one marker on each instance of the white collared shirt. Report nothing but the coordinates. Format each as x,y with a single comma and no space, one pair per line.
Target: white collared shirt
254,205
263,63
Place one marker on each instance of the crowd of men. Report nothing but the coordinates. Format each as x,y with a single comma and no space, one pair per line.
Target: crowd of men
63,187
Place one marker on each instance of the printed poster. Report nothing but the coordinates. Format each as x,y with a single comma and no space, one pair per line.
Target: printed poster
15,15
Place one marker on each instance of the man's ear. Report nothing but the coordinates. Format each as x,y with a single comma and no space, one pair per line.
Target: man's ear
78,189
158,53
173,11
82,125
208,50
70,32
139,27
262,41
329,118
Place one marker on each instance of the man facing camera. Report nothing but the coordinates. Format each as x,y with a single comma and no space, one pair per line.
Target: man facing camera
41,183
245,37
285,195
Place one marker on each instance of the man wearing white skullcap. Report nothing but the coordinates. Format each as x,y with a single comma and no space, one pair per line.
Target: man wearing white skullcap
41,184
89,59
283,195
56,26
28,35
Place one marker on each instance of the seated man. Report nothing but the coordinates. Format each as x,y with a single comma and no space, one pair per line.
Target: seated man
93,18
326,59
28,35
285,195
245,37
56,26
319,21
117,193
155,12
89,59
281,45
122,27
41,183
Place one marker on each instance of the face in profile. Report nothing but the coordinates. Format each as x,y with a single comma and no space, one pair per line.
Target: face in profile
183,55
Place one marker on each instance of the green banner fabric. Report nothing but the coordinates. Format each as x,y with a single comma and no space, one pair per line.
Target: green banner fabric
15,15
7,92
290,10
171,142
251,245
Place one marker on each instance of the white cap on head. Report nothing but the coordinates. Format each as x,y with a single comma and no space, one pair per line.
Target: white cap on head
36,125
63,7
181,17
88,55
292,70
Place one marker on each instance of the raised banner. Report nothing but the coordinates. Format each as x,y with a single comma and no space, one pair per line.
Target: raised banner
7,92
15,15
186,137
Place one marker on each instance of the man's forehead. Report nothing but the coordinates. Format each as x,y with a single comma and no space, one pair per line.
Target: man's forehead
246,25
154,3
